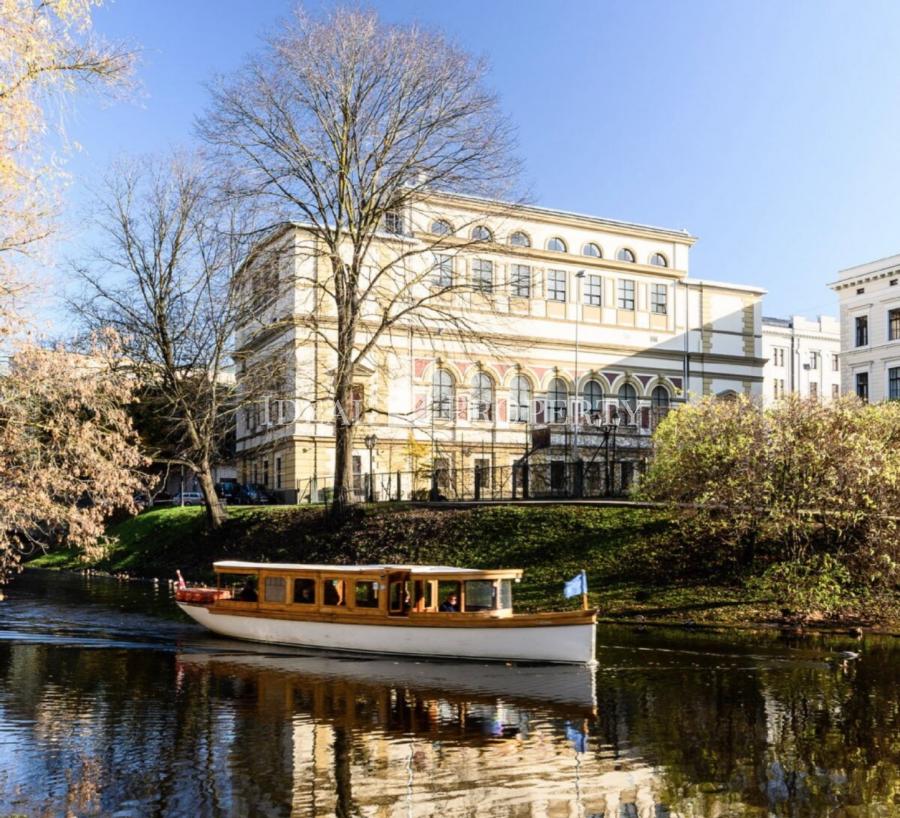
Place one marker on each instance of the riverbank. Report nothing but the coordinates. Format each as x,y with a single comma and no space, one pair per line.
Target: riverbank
552,543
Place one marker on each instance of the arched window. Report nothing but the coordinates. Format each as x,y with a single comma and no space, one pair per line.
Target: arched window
593,397
441,228
557,245
591,249
520,400
442,394
481,233
519,239
557,401
625,255
659,398
482,397
659,260
628,402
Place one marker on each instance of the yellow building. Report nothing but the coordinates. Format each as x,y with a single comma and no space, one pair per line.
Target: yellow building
577,333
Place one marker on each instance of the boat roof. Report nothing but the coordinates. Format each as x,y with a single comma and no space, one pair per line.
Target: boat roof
237,565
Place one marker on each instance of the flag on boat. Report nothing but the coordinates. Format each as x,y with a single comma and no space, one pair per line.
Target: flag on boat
576,586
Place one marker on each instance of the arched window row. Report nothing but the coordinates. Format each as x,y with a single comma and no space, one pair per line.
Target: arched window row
553,405
556,244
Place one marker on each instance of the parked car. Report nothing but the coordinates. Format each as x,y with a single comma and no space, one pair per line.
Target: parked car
257,495
229,490
187,498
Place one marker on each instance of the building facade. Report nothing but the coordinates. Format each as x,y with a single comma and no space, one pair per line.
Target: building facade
802,358
869,297
579,334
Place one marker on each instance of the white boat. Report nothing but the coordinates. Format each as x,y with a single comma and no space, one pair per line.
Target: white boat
407,610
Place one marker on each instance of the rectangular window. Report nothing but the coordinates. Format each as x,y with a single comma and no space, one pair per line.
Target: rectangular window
626,294
393,222
835,390
835,363
894,325
814,390
813,360
266,472
521,280
556,285
366,593
357,400
443,271
862,330
480,595
305,591
483,275
593,291
862,386
894,383
334,592
659,299
277,472
273,589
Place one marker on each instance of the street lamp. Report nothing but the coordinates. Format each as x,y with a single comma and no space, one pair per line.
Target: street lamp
370,442
577,406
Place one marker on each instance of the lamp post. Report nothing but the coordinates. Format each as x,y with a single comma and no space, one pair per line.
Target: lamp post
370,442
577,407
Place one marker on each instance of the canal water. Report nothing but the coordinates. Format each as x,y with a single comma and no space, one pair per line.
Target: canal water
112,704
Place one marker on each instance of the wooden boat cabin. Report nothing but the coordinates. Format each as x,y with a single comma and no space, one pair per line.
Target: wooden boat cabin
435,593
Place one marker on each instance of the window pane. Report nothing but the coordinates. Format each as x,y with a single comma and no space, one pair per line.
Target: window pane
335,592
480,595
521,280
448,596
593,291
274,589
442,394
481,234
557,245
519,239
659,299
894,383
440,228
505,594
894,325
443,271
862,331
482,274
520,400
625,255
305,591
591,250
626,294
366,593
862,385
556,285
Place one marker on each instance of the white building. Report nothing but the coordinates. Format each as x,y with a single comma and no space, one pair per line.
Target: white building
870,329
564,310
803,358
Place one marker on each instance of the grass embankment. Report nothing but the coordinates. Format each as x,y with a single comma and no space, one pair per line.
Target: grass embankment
552,543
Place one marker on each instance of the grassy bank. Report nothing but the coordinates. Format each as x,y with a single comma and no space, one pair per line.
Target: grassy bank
552,543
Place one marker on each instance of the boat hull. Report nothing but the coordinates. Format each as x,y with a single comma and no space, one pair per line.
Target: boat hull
564,643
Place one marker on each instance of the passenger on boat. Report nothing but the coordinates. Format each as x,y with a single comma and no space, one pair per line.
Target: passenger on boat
248,592
451,604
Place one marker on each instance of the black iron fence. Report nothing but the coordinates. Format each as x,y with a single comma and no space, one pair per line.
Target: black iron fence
554,479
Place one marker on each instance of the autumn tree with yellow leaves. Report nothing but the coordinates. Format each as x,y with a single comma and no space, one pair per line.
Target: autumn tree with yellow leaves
47,52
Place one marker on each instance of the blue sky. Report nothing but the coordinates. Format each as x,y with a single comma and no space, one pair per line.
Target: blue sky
767,129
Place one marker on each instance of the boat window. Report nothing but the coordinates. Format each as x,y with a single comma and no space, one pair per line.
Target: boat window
423,596
334,592
241,587
274,589
449,596
505,594
400,596
305,591
366,593
481,595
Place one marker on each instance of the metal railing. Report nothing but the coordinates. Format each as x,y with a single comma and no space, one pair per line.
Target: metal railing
544,480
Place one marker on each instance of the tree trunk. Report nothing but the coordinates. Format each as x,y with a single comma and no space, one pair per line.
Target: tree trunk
343,453
215,511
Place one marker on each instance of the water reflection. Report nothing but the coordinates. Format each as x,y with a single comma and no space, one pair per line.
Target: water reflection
116,712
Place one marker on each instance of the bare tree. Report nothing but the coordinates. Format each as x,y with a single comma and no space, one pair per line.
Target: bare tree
167,279
346,125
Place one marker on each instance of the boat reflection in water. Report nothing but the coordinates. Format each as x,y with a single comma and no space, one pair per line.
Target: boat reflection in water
410,738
